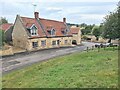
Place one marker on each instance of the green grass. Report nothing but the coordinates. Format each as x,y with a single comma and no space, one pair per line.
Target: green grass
78,70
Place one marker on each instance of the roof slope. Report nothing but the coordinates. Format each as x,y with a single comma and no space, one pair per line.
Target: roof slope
5,26
47,25
74,30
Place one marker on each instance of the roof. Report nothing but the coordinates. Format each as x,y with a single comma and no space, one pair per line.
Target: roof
45,25
75,30
5,26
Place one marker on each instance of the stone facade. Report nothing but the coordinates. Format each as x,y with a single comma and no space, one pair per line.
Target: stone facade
76,32
19,34
42,40
58,42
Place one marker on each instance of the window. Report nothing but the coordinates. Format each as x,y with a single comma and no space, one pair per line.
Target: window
43,43
33,30
53,43
66,41
65,32
35,44
52,32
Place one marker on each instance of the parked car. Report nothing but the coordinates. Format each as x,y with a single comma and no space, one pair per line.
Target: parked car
102,45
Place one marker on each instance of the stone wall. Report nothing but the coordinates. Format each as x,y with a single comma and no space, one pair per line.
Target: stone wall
19,35
49,43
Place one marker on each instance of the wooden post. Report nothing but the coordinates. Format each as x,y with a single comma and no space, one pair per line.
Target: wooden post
87,49
92,47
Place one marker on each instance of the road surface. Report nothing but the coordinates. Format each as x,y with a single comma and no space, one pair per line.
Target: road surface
20,61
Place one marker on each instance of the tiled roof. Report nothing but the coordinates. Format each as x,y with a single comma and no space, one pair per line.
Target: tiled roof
5,26
75,30
47,25
28,22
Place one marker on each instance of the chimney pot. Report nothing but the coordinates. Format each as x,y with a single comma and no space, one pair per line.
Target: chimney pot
64,20
36,14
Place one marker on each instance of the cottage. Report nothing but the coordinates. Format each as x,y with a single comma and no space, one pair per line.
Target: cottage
76,32
38,33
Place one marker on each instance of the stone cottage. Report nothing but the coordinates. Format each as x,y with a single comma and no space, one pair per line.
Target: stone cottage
38,33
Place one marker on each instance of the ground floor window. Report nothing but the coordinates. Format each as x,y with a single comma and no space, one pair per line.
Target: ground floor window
35,44
43,43
66,41
53,43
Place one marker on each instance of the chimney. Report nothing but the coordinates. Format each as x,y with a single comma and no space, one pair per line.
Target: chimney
36,14
64,20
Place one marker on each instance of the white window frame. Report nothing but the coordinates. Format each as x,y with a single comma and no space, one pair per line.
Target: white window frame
52,31
35,31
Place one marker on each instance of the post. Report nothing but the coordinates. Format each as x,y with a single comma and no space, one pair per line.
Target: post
87,49
92,47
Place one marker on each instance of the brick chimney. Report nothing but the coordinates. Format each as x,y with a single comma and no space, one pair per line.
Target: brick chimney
36,14
64,20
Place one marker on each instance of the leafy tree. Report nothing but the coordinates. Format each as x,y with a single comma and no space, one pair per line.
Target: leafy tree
3,20
111,28
96,31
87,29
2,39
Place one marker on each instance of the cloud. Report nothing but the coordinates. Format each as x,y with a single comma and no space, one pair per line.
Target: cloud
76,11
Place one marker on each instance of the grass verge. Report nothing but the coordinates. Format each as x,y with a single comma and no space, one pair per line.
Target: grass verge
78,70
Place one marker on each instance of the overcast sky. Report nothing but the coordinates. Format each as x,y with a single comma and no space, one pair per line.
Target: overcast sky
76,11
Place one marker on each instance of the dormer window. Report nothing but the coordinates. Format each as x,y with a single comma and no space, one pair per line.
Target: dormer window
33,30
52,32
65,31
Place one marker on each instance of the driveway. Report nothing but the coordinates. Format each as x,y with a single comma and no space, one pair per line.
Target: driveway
20,61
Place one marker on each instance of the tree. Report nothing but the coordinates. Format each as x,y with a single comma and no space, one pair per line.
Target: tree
2,38
96,31
3,20
86,29
111,28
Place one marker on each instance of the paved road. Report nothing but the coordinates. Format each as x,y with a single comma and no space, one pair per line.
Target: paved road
20,61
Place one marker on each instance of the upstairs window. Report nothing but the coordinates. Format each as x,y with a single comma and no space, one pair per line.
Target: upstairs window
33,30
53,32
65,31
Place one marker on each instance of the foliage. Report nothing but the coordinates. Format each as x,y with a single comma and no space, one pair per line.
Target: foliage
96,31
2,38
78,70
3,20
111,27
87,29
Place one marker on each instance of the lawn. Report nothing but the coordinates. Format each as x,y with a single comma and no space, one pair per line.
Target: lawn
78,70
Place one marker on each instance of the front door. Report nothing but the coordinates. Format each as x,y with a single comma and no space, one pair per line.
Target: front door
58,42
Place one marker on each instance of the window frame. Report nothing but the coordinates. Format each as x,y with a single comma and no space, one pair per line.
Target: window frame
33,32
43,43
35,44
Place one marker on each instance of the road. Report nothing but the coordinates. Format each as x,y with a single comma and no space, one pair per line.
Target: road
20,61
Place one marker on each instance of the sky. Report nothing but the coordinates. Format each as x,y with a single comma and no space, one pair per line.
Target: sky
75,11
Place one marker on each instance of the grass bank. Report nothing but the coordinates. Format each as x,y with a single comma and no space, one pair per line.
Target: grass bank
78,70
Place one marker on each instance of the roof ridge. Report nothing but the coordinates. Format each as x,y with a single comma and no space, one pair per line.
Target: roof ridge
43,19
